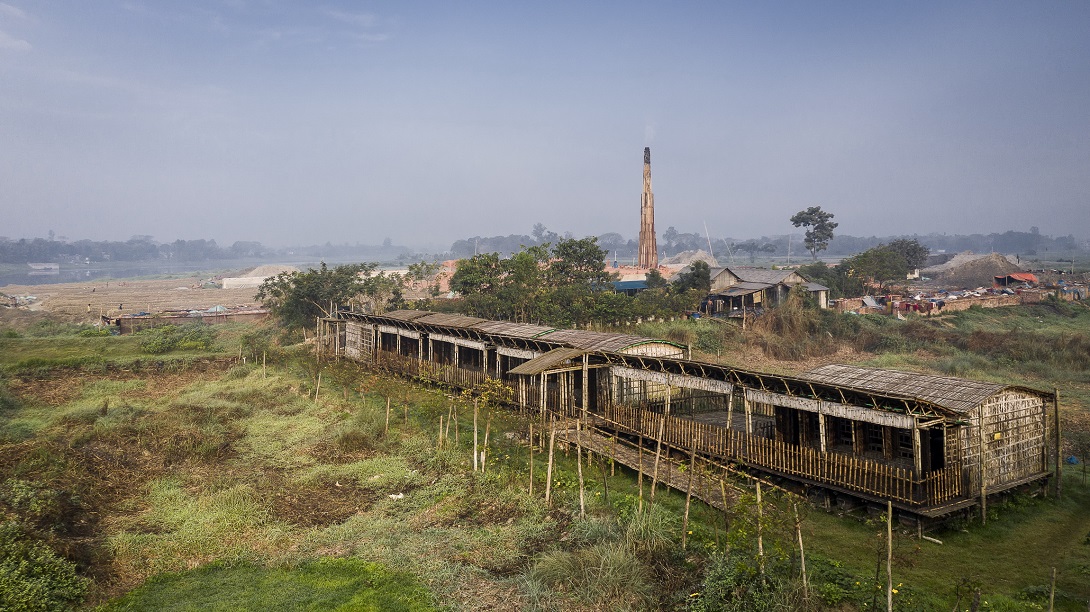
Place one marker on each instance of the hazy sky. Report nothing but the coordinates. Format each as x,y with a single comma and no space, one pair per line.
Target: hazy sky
302,122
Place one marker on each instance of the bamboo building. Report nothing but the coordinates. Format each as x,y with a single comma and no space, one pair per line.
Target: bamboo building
931,445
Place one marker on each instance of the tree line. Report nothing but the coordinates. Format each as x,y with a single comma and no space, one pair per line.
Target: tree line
562,284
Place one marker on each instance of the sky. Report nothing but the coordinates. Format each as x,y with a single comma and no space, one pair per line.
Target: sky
294,123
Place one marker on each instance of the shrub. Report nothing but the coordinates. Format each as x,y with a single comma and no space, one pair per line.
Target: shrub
166,338
33,577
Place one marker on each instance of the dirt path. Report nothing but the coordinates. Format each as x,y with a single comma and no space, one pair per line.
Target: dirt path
87,301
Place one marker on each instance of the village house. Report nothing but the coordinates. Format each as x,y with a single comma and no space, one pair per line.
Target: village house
739,290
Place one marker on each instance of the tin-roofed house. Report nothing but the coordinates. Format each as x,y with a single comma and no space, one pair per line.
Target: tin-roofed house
739,290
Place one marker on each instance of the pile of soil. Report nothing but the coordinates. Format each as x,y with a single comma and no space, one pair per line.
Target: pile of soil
685,258
972,271
269,270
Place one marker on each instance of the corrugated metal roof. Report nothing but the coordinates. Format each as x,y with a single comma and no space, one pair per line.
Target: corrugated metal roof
549,360
760,275
450,320
598,341
956,394
744,288
815,287
515,330
405,315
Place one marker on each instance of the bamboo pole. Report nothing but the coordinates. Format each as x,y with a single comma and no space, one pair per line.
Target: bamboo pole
688,495
802,555
475,412
318,386
531,445
387,430
484,449
640,469
439,437
1052,592
579,468
658,454
263,375
760,533
889,556
549,469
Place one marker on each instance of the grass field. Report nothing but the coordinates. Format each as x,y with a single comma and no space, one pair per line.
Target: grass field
186,481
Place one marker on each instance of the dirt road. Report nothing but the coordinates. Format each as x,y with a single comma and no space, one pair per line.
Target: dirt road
86,301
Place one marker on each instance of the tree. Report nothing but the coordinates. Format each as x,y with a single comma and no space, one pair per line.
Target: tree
298,298
753,247
879,265
820,228
698,277
915,254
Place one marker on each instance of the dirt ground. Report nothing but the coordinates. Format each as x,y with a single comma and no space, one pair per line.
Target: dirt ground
87,301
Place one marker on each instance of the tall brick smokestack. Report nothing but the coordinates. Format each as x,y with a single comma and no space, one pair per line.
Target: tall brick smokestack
648,253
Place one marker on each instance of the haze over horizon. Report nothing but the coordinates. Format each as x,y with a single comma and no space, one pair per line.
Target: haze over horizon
351,122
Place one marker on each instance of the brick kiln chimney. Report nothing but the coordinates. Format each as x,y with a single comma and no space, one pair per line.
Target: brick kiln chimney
648,253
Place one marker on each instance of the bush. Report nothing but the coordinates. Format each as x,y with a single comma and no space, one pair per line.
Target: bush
194,336
33,577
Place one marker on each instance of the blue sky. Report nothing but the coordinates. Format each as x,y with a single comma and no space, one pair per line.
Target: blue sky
302,122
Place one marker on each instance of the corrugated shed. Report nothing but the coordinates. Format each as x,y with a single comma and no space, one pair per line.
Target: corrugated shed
547,361
956,394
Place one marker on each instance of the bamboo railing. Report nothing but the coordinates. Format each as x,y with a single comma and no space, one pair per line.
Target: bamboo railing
844,471
757,450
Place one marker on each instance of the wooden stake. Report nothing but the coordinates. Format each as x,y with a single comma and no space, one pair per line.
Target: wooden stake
1052,592
531,458
802,555
641,471
475,411
549,470
760,533
579,468
658,454
318,386
450,410
439,437
263,365
484,449
387,430
889,556
688,495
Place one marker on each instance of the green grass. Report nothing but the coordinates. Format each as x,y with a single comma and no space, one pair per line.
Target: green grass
325,584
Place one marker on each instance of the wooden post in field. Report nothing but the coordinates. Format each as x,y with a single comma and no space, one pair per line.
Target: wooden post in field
688,495
531,445
579,468
484,448
802,555
613,456
475,413
439,438
318,386
658,454
641,470
889,556
263,365
760,533
387,430
1052,592
450,410
457,438
549,470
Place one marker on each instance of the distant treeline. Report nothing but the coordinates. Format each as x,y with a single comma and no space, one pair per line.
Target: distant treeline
671,242
144,248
